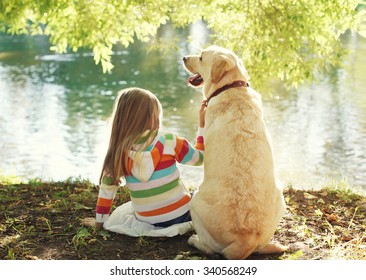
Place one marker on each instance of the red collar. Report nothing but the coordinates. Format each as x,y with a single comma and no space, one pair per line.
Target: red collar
225,87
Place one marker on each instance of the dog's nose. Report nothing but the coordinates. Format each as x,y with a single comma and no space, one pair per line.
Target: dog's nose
185,59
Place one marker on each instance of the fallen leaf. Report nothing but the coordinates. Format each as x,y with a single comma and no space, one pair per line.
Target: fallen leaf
295,255
332,217
320,200
324,193
346,238
309,196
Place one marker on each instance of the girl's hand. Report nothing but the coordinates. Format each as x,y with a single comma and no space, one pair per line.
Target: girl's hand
202,113
90,222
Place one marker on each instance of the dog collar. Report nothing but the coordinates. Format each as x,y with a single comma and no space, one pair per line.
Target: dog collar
225,87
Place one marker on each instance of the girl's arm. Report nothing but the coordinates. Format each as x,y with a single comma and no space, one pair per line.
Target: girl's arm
185,153
107,192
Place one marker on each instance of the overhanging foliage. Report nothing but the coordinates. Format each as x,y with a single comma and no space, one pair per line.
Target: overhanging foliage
292,40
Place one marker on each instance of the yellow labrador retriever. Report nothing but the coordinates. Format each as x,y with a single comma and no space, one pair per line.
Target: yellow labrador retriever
238,206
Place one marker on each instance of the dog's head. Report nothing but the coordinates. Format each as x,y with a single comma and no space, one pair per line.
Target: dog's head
213,68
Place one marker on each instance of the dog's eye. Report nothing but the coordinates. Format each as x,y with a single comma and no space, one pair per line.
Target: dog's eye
201,57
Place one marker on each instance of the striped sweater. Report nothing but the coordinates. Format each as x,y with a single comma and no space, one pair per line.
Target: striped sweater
156,192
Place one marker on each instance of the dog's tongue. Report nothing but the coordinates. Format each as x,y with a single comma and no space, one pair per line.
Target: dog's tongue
195,80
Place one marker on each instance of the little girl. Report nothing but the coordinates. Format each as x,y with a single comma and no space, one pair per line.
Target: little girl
146,158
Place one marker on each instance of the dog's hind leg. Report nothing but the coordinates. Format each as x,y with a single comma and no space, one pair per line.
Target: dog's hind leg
272,248
203,240
242,250
239,250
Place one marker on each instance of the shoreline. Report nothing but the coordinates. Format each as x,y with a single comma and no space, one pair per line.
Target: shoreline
42,220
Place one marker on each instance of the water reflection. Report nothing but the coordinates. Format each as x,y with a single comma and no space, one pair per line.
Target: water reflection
53,110
321,128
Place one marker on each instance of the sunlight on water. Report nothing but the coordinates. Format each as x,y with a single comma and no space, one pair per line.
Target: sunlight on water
54,110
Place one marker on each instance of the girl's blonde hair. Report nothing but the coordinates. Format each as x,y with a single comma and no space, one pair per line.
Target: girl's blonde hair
135,111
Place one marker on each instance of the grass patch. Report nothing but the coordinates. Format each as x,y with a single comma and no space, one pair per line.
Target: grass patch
42,220
328,223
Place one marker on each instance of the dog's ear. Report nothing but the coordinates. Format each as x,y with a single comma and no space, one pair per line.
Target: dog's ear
220,65
243,70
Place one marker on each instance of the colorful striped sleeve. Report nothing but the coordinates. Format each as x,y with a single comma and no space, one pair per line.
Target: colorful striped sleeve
187,154
106,195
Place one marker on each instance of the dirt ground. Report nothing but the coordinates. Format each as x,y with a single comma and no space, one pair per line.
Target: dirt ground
43,221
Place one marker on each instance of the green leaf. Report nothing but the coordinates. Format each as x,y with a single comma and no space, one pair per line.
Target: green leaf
296,255
83,233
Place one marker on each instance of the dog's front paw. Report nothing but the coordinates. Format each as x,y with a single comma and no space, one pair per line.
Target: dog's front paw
193,240
196,242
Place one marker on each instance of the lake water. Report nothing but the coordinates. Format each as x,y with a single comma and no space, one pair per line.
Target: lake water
54,110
